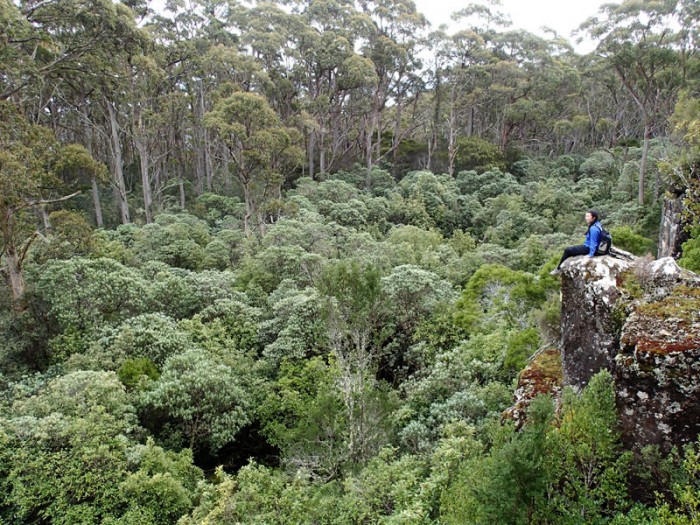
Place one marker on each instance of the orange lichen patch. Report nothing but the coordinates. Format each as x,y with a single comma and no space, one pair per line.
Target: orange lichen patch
544,375
544,372
669,325
652,346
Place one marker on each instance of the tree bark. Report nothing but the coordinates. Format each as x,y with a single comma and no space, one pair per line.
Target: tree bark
208,168
181,184
311,152
93,180
96,201
368,146
45,218
12,259
145,178
118,167
14,271
643,162
321,152
451,142
250,210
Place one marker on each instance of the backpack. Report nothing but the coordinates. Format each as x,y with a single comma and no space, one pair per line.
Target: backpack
605,241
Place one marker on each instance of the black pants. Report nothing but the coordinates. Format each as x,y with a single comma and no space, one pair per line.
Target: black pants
573,251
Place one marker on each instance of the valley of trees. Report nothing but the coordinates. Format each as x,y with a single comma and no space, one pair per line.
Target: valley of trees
283,262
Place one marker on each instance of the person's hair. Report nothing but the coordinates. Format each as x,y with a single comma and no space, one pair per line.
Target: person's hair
596,216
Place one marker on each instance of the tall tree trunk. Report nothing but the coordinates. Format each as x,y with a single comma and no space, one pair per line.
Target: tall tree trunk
368,152
140,142
96,201
199,141
262,226
435,125
93,180
45,218
396,139
14,271
250,208
181,184
118,167
378,127
199,171
145,179
322,151
311,152
431,145
451,142
12,258
208,168
643,162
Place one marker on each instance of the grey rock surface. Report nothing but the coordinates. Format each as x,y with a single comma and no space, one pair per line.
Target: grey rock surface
640,320
588,336
672,232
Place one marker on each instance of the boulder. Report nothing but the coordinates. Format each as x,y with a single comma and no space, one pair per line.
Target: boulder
672,232
657,370
589,294
542,375
640,320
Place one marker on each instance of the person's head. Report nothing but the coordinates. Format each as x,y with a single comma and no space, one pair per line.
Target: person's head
592,216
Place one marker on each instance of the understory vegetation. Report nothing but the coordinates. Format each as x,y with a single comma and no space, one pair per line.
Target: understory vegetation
283,263
350,366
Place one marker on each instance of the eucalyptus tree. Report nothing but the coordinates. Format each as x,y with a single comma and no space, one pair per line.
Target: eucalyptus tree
199,49
393,48
535,80
29,155
329,72
262,150
462,78
640,42
268,33
145,82
57,51
47,40
466,76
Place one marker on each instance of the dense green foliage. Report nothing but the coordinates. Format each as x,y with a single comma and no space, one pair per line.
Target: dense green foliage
342,368
325,262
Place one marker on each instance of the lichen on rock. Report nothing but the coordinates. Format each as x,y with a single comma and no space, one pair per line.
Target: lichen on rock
659,358
588,324
640,320
542,376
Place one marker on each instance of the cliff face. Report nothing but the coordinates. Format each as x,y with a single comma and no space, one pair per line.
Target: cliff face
640,320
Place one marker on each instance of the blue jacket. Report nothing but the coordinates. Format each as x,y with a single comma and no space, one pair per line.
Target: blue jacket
593,238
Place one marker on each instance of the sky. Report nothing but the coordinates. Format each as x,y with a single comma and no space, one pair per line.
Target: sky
561,15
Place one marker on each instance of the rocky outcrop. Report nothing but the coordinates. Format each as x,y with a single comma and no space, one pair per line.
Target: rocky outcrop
543,375
657,370
672,232
589,295
640,320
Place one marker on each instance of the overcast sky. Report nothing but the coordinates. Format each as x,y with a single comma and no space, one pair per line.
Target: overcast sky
560,15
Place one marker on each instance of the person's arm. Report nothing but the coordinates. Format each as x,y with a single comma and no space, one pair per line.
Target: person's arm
595,241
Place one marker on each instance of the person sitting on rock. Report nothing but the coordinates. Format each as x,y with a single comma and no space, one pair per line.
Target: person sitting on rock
590,247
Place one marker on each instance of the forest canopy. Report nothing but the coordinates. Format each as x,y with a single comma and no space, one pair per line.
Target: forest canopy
283,262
